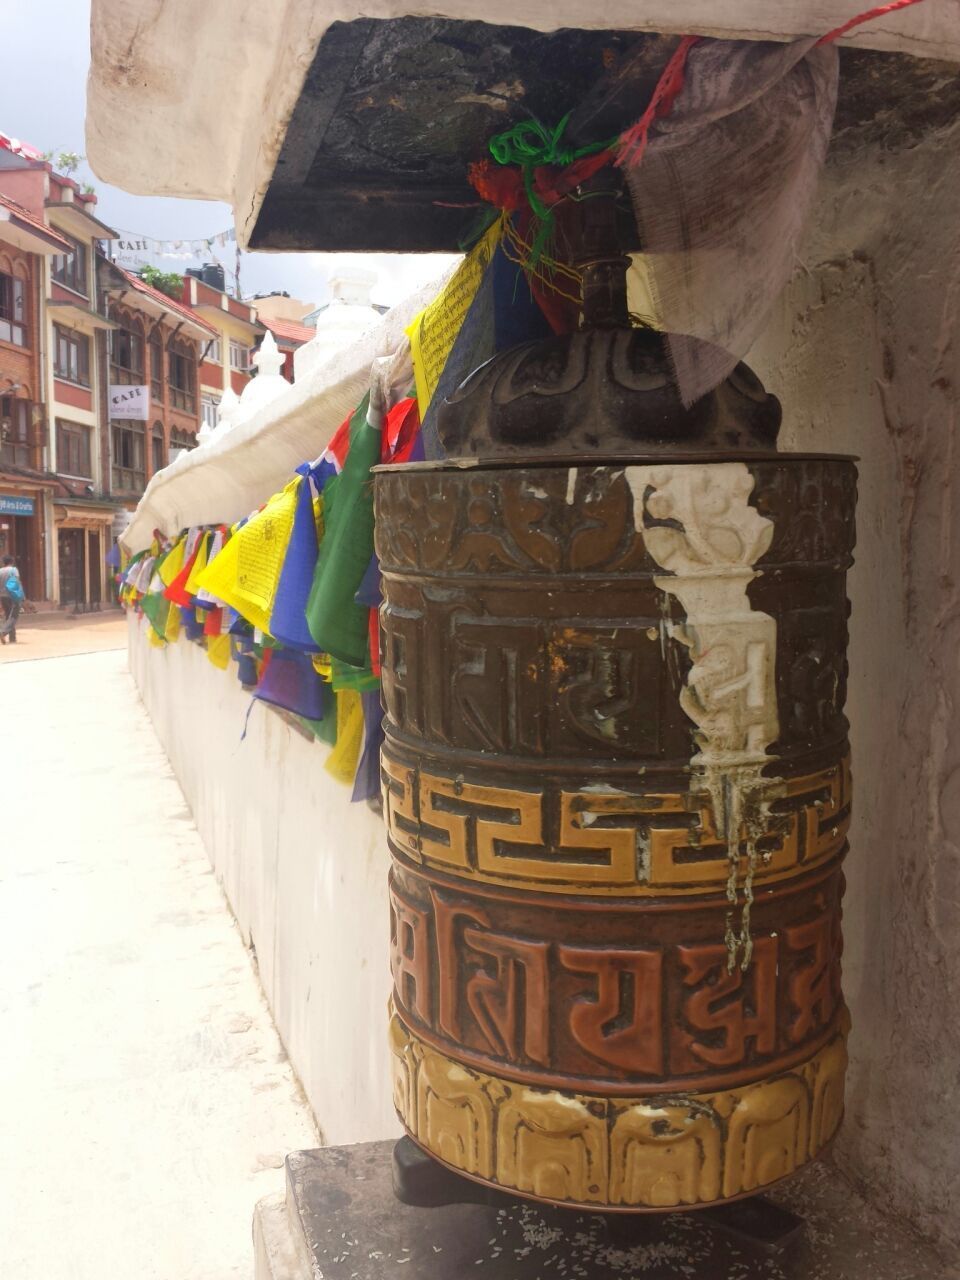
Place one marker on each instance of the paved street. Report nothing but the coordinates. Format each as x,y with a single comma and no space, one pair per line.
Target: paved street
53,635
145,1100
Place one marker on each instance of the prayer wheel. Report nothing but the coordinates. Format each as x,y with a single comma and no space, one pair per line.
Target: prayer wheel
617,796
615,778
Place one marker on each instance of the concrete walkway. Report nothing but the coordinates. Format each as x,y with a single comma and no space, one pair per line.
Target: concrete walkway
145,1100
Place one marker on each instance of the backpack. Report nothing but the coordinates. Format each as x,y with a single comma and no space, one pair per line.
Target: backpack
13,587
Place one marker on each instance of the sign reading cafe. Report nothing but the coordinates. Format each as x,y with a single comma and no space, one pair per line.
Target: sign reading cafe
130,402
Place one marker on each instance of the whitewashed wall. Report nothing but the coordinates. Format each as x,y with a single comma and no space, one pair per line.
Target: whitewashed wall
305,872
864,352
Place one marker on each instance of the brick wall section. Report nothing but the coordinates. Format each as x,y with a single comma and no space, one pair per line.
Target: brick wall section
21,363
103,409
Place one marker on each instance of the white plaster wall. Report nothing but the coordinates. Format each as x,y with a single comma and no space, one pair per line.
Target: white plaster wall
863,352
305,872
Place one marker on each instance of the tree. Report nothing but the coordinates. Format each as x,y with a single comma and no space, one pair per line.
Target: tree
168,282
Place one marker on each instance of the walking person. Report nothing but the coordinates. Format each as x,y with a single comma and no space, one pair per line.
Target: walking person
12,598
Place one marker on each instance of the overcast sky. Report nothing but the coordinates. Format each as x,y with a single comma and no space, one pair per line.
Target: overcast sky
42,101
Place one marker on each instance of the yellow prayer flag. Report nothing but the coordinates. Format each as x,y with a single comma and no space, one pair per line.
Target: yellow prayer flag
218,651
173,563
433,332
343,759
246,572
172,629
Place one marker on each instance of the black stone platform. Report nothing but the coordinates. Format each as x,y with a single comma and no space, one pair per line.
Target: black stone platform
345,1223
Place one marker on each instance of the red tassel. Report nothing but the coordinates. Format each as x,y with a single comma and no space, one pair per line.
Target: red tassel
501,187
633,141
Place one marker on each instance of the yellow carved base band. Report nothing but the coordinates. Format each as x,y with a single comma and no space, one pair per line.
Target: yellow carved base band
629,1153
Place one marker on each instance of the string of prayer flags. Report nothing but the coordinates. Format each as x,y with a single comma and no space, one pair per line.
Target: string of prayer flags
252,596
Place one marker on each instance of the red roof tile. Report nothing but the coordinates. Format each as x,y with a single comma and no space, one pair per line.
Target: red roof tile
288,330
37,223
141,286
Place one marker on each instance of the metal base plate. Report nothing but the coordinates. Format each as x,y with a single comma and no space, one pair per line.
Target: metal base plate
755,1223
346,1223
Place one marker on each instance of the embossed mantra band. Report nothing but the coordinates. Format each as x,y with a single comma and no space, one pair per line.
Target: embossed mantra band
616,780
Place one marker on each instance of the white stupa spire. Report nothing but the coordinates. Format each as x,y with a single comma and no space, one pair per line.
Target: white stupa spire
227,411
267,385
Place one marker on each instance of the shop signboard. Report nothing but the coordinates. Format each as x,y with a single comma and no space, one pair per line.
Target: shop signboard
130,402
10,506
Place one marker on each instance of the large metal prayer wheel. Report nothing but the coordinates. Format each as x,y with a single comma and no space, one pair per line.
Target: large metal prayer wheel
617,796
616,780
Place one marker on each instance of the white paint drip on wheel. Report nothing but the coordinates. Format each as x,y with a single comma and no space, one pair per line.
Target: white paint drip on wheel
698,525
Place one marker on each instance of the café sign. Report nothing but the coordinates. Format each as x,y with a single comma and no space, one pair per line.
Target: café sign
130,402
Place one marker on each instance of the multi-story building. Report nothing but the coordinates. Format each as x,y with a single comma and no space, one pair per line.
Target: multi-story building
81,342
226,360
156,349
26,488
77,335
62,555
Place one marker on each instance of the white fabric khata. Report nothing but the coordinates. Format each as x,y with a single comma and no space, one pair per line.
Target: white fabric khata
722,193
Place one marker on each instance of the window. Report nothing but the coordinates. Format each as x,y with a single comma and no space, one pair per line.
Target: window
156,369
183,372
128,470
158,449
71,268
181,442
71,355
239,356
13,310
126,359
73,449
15,418
214,351
209,411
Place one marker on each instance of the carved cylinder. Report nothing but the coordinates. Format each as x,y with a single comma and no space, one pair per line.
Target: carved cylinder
617,795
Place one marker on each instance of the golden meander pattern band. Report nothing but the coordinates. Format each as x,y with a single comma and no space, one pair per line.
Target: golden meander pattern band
642,1153
631,845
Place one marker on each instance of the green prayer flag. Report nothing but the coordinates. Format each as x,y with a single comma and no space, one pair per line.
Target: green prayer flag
156,607
337,623
324,730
